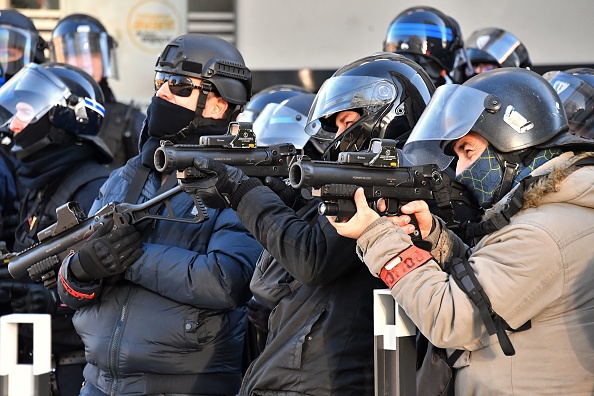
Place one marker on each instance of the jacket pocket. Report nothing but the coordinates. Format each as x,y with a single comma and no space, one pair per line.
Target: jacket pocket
299,343
205,327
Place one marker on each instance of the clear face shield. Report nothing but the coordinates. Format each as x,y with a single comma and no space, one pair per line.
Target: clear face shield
347,93
90,51
577,97
17,49
450,115
249,115
413,37
29,95
501,48
281,124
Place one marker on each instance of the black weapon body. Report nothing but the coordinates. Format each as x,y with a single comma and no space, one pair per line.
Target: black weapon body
239,150
41,261
379,173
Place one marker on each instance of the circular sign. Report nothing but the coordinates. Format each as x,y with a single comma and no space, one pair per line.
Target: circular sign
152,24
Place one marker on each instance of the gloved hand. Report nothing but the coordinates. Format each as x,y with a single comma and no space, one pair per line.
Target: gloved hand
29,297
219,185
258,314
291,197
106,253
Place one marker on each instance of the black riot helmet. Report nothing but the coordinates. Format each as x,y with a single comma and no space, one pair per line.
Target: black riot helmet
20,43
217,62
576,90
389,91
497,47
432,39
272,95
53,103
285,123
82,41
514,109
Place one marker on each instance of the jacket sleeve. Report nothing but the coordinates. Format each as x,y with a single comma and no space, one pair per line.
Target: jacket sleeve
74,294
312,253
217,279
519,278
445,245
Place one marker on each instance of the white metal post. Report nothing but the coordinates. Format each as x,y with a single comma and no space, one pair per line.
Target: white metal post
25,379
395,351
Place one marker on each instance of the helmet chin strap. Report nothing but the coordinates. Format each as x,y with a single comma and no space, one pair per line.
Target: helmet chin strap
199,120
510,162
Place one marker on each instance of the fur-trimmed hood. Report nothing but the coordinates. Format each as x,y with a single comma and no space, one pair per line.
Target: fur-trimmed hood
563,183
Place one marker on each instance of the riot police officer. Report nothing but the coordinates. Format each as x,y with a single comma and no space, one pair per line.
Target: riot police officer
82,41
55,112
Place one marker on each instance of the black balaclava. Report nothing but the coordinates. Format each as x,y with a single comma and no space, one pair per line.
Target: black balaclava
165,120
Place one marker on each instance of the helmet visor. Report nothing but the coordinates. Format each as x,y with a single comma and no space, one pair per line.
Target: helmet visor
17,49
413,37
578,100
347,93
92,52
30,94
500,48
450,115
279,124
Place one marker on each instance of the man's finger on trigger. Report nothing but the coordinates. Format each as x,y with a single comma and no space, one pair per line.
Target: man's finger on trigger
412,207
360,200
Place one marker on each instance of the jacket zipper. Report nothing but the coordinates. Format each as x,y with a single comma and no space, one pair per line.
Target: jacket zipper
116,340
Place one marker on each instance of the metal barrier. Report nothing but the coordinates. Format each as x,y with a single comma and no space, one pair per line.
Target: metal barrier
395,351
25,379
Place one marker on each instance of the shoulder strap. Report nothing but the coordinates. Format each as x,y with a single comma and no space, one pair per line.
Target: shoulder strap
86,173
138,181
465,278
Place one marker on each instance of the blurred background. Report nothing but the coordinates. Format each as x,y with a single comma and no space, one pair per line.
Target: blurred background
303,42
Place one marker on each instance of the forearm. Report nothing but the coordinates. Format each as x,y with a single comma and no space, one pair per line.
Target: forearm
73,293
211,281
420,286
308,247
445,245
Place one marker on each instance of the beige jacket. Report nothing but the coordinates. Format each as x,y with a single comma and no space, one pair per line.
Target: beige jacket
540,268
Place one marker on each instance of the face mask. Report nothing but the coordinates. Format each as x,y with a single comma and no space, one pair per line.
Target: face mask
165,119
483,177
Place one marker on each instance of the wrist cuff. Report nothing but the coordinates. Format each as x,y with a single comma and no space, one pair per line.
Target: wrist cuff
77,270
243,189
402,264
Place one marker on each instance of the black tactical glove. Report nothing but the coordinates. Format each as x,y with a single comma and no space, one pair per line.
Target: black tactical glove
293,198
107,252
30,297
258,314
217,187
